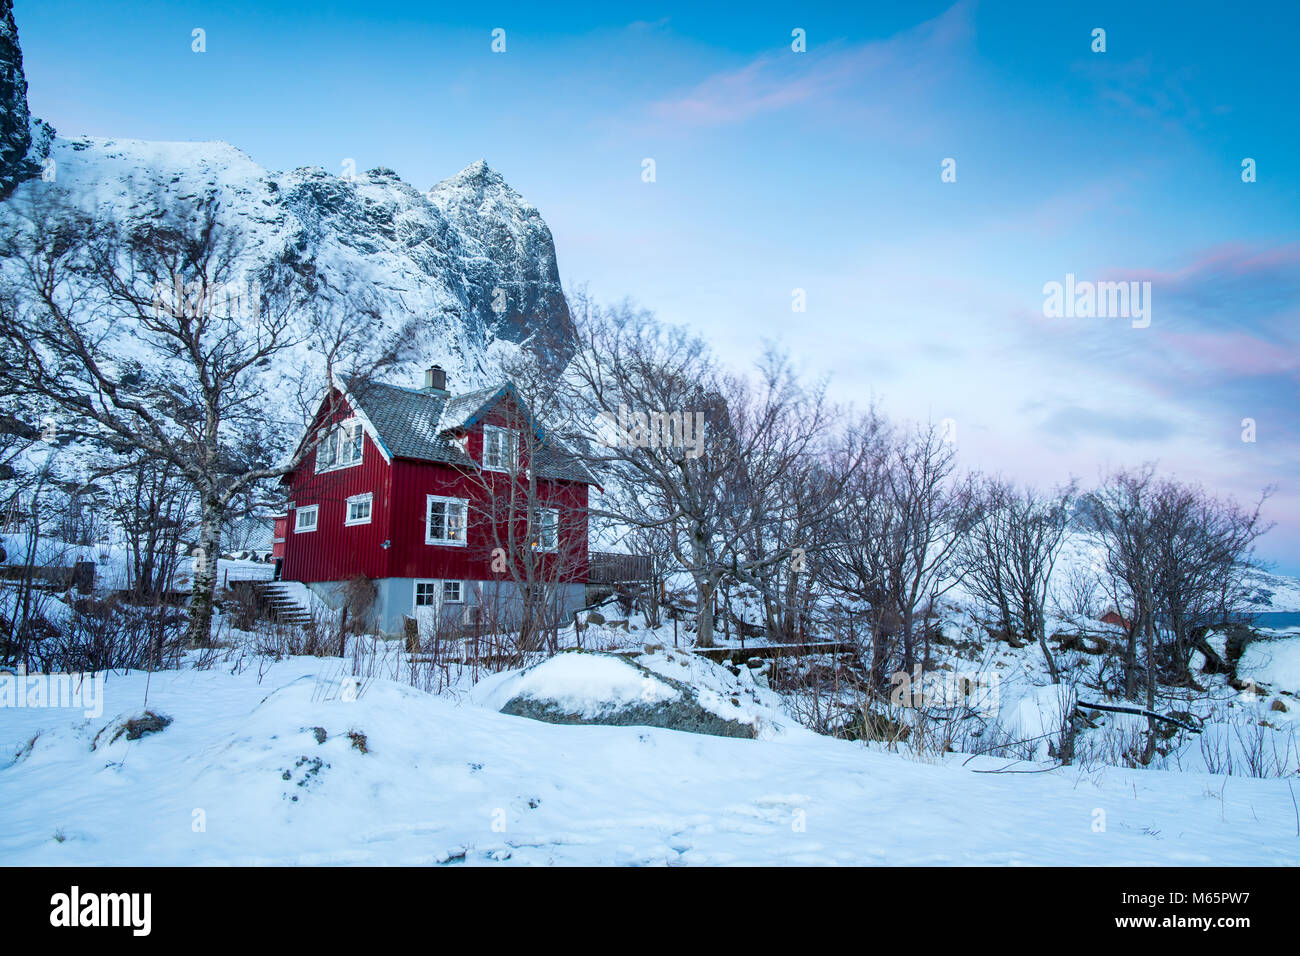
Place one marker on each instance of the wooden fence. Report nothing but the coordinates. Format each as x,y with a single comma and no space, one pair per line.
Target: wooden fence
60,577
607,567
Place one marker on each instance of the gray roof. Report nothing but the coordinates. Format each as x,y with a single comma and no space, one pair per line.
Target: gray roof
413,423
408,422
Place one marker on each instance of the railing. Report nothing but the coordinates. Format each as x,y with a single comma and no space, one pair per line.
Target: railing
266,573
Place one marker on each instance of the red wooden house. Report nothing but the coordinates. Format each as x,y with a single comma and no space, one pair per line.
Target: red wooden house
1112,616
443,501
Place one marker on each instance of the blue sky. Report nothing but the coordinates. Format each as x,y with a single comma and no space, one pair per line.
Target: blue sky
820,171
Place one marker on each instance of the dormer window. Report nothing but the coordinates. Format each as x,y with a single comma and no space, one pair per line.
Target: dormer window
340,446
500,449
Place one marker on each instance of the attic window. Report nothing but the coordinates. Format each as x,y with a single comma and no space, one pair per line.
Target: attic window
340,446
500,449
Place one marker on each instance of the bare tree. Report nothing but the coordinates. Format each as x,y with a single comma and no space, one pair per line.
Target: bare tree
1010,553
1075,596
933,509
1121,512
687,447
857,565
985,555
156,334
154,510
1203,548
532,524
650,546
1178,557
795,516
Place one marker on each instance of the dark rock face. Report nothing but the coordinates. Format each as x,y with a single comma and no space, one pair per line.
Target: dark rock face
686,716
485,249
512,278
15,132
18,159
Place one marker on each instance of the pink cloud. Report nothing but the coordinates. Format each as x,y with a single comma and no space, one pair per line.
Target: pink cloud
1237,353
1230,258
912,59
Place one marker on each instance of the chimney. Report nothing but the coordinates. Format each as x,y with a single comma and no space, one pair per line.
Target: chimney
435,381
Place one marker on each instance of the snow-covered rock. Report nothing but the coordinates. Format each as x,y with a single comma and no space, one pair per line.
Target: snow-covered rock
469,261
597,688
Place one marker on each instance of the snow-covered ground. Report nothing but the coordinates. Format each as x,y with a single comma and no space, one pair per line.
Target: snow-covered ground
241,776
282,762
112,562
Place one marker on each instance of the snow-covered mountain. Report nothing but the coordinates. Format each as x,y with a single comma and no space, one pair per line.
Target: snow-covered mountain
470,260
1266,592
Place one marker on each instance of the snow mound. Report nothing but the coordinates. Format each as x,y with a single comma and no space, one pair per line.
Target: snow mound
1273,662
673,692
590,685
1038,714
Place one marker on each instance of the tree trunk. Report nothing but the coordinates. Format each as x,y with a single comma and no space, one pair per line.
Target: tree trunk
1130,659
1047,654
204,584
789,611
879,652
1150,751
909,650
704,613
1036,615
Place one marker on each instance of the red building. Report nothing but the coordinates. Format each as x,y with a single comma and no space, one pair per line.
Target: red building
1113,616
452,505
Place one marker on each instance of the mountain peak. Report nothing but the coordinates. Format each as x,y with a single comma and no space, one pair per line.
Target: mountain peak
478,176
479,169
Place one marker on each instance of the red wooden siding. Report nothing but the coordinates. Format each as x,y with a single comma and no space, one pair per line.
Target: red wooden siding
411,557
336,552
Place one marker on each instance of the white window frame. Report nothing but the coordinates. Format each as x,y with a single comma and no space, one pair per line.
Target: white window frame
314,511
554,513
460,592
511,448
429,537
335,440
369,500
435,593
